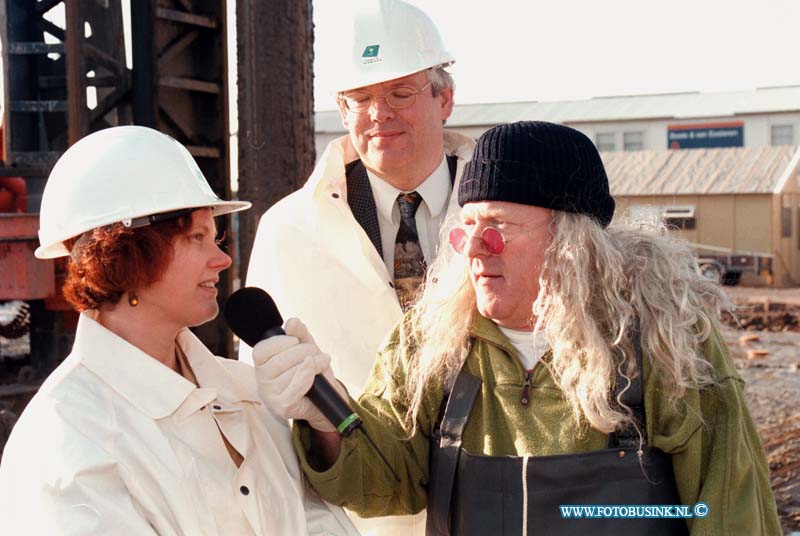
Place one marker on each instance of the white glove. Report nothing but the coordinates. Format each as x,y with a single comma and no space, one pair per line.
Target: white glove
285,368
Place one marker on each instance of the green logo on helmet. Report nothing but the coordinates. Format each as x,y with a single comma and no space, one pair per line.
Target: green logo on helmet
371,51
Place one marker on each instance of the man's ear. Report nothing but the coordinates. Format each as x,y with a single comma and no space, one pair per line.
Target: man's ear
445,97
343,114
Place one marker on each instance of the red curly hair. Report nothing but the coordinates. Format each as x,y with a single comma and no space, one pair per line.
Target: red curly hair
115,260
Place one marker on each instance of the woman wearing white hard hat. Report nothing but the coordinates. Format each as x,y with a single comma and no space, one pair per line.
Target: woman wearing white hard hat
141,430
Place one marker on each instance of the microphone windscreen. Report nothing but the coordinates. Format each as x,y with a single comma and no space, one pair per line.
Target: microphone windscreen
250,312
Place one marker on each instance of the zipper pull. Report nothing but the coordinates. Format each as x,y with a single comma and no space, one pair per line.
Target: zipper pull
525,399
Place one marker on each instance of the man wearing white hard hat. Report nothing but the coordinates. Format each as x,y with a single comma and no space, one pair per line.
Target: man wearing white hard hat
347,252
141,430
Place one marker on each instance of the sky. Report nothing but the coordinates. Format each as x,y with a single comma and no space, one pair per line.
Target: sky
545,50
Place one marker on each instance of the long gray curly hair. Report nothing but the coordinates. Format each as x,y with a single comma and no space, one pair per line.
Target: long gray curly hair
596,285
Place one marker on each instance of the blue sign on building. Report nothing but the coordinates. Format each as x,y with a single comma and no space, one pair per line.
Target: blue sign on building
706,135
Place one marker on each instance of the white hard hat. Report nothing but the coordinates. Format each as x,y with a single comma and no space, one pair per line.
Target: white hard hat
389,39
118,175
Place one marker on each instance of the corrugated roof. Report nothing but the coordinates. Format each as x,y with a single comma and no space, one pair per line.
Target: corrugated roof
675,106
741,170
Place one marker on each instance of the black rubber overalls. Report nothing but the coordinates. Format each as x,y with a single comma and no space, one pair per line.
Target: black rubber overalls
510,495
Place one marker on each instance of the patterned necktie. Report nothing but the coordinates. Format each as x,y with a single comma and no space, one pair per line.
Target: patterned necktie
409,262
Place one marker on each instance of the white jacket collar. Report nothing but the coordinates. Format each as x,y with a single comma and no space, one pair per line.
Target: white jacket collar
146,383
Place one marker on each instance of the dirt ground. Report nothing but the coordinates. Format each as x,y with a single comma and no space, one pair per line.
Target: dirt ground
765,344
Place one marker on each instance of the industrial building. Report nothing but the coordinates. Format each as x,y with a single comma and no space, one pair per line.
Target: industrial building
720,169
739,207
768,116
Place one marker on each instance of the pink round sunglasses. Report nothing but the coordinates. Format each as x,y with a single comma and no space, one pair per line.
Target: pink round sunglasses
492,239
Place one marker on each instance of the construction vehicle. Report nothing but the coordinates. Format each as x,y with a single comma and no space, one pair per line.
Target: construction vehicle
726,266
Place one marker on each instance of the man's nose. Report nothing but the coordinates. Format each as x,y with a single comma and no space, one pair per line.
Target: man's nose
380,110
473,247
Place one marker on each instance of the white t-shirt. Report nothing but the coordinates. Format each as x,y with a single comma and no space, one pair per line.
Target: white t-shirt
529,345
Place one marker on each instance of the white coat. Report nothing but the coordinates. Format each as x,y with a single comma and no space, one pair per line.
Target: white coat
116,443
315,260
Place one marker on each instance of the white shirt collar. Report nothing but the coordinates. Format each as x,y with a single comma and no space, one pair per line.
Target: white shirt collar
434,191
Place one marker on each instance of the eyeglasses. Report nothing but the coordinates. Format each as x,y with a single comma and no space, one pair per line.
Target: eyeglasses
398,98
492,240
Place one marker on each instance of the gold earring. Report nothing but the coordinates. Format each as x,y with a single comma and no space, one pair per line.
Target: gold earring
133,299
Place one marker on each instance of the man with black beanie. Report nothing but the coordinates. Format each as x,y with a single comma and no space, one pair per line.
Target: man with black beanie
560,374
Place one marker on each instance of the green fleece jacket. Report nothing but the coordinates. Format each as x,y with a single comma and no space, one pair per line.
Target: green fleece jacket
716,453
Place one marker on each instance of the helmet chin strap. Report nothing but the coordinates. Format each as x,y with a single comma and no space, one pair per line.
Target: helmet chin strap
143,221
130,223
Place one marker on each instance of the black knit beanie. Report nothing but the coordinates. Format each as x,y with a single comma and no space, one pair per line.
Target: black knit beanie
540,164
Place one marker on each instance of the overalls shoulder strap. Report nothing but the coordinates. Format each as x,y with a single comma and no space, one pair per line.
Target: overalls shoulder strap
633,397
451,430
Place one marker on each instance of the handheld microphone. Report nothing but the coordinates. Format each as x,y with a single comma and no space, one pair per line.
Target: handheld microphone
253,316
